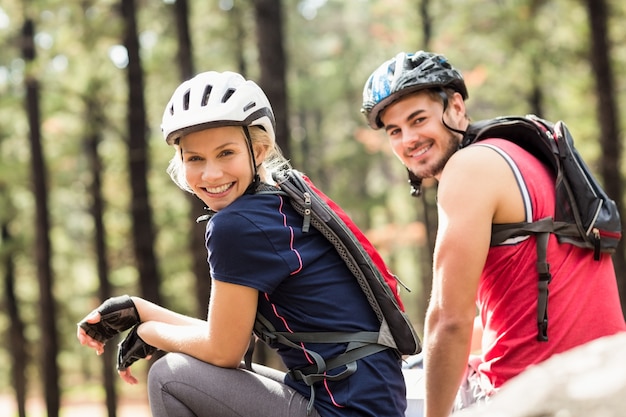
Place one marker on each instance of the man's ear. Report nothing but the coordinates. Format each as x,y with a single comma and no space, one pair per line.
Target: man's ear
456,105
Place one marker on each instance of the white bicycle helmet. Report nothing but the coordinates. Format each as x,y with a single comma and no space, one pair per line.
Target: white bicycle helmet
212,99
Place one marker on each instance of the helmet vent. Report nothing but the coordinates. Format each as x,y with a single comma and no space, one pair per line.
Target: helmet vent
227,94
186,100
212,99
206,94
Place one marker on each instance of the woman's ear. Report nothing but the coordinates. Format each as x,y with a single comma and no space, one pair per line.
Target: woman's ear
260,152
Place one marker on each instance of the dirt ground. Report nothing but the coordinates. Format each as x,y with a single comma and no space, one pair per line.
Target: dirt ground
36,408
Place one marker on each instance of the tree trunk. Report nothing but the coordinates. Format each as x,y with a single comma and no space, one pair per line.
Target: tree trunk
609,125
195,244
429,192
47,309
185,45
95,122
17,341
238,24
427,22
536,93
269,28
143,232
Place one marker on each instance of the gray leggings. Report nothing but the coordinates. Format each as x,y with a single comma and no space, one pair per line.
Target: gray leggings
182,386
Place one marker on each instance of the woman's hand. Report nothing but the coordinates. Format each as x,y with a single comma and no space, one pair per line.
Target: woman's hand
129,351
84,338
113,316
128,376
116,315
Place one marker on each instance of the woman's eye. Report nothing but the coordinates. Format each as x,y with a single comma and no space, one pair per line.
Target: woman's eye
192,158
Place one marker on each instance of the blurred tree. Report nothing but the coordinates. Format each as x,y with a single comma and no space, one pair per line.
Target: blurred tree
269,35
607,113
429,188
17,339
538,61
185,45
94,122
196,232
236,22
48,327
143,230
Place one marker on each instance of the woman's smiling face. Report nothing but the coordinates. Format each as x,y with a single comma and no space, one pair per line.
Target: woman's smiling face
217,164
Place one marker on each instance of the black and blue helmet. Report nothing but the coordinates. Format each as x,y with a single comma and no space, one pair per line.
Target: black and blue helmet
404,74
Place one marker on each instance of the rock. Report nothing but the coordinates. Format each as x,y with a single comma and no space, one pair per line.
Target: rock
587,381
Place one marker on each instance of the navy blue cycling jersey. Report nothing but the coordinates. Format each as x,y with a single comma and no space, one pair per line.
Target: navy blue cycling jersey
304,286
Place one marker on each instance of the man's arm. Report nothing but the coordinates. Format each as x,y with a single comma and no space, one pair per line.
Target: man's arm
472,191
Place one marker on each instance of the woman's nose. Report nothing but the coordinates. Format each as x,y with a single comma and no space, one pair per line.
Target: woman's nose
211,171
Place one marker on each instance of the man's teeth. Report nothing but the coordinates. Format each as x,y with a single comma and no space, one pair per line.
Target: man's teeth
422,151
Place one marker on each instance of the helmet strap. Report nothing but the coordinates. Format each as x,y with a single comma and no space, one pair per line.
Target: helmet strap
416,184
255,179
444,97
415,181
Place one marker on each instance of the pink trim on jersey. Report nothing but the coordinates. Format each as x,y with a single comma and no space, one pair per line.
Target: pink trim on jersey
330,394
281,318
306,355
294,250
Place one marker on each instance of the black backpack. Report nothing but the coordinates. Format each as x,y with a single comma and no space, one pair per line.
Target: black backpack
585,216
395,331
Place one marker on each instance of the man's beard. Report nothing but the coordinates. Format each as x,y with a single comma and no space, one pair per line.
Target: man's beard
451,146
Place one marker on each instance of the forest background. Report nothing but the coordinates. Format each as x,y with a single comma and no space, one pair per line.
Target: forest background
87,210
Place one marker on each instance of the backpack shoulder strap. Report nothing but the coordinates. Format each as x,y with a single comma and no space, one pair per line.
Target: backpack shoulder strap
530,132
396,329
535,136
359,345
264,188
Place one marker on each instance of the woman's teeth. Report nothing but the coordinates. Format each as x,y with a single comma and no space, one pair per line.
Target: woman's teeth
218,190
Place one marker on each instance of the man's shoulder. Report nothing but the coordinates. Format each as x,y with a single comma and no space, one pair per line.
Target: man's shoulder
485,182
473,162
505,147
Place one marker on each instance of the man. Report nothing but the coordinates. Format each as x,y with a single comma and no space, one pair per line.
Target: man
419,100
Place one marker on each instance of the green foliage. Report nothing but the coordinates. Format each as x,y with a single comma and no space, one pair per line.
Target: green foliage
504,48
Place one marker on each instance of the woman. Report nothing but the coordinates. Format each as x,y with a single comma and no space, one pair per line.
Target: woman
222,129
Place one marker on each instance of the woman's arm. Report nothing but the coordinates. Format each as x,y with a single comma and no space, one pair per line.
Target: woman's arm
149,311
221,341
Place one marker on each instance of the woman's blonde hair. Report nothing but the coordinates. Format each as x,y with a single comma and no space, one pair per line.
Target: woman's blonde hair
274,160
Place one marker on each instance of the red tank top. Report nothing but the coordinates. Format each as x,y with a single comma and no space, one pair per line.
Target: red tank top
583,301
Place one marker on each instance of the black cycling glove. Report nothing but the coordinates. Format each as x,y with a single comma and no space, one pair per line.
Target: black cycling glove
131,349
117,314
